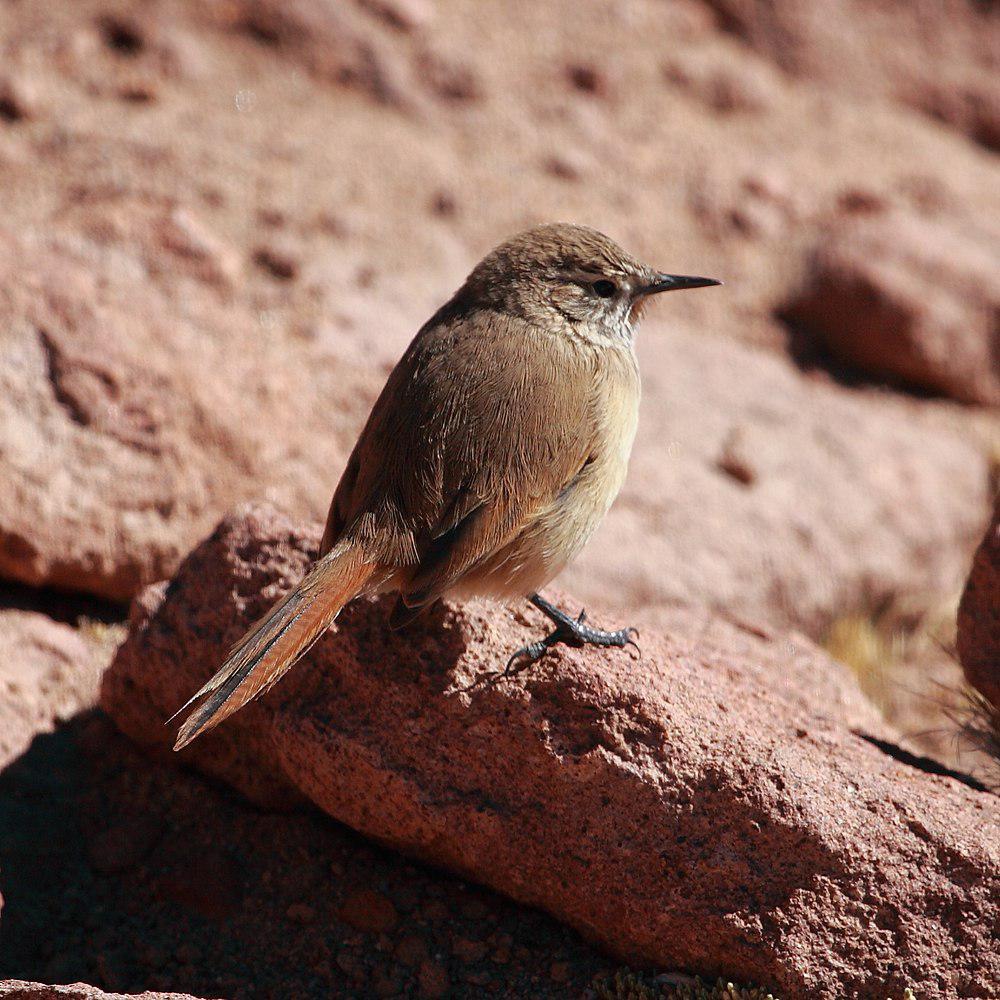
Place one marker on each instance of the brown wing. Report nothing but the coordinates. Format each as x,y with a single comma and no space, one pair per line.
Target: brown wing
480,426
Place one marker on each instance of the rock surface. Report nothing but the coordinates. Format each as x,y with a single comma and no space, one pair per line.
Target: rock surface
937,57
18,989
904,298
124,431
711,806
979,616
47,674
223,222
235,576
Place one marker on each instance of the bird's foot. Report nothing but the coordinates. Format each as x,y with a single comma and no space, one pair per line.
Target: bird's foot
569,631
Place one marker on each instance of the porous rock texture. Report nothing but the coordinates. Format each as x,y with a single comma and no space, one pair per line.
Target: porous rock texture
47,674
18,989
221,225
979,616
901,297
713,805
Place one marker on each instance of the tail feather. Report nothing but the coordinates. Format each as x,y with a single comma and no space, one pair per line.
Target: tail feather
263,656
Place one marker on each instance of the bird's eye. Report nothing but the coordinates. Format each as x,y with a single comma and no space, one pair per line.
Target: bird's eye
605,288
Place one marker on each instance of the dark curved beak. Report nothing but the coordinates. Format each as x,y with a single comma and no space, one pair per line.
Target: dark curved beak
675,282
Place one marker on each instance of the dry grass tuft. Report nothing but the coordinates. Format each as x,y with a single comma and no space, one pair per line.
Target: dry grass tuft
882,648
857,641
905,662
977,720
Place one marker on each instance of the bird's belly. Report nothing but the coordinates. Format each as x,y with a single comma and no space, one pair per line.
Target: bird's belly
546,545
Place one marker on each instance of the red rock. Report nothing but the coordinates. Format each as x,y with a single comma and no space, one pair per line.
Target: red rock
17,989
433,981
329,40
201,381
708,806
937,57
47,674
979,616
123,432
370,911
905,298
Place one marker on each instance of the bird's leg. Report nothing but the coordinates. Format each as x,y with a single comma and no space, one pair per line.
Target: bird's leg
571,631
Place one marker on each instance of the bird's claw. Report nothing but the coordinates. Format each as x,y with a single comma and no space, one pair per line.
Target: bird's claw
633,635
571,632
531,653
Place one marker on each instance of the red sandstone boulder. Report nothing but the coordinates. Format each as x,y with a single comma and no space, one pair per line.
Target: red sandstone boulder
979,617
122,433
908,299
725,803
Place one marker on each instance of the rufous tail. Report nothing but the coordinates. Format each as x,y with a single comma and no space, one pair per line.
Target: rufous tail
263,656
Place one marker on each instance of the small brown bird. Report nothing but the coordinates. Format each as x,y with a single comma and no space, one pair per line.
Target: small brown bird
499,442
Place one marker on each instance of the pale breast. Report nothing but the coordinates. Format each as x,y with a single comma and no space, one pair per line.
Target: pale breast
557,534
585,501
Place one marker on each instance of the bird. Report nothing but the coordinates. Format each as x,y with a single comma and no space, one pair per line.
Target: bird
499,442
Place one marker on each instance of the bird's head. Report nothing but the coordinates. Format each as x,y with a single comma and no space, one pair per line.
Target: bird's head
572,278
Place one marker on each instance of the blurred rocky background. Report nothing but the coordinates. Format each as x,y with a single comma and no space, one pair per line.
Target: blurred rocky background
222,222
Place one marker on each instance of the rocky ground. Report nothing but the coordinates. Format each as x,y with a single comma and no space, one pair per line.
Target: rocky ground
222,223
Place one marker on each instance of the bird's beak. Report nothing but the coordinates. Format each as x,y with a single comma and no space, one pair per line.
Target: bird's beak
674,282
